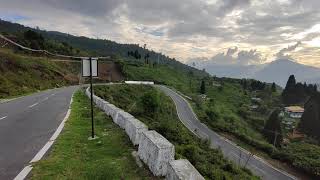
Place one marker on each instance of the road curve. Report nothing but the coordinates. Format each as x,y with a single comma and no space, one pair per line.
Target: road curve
26,124
230,150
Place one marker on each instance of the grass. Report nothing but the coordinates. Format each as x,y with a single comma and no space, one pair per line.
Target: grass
160,115
163,74
227,111
74,157
23,74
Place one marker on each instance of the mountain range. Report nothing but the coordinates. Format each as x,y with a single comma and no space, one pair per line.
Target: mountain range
276,71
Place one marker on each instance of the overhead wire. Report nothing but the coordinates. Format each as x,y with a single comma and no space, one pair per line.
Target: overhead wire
48,52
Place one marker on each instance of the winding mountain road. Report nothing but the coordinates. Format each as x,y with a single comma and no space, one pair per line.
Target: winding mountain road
26,125
230,150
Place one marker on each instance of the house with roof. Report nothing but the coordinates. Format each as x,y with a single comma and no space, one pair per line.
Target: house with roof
294,111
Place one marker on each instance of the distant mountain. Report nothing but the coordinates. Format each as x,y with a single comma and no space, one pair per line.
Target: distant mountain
281,69
276,71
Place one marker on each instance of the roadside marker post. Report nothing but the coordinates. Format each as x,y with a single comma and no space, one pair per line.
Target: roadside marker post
90,69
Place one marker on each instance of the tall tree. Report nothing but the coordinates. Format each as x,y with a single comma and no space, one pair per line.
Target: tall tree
272,129
273,87
203,87
291,82
310,120
190,73
288,94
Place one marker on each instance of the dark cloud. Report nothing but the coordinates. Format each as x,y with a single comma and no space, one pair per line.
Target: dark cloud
228,6
247,22
96,8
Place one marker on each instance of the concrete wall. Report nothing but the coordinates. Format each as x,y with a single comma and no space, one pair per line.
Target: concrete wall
182,169
140,82
122,118
134,128
156,151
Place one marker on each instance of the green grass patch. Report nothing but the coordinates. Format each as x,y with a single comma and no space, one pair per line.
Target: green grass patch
73,156
22,74
158,112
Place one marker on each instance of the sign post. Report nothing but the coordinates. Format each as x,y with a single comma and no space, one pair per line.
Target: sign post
90,69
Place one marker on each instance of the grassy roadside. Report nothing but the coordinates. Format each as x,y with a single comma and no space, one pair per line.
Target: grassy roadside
158,112
74,157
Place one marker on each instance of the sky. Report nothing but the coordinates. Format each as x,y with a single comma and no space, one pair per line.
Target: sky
241,32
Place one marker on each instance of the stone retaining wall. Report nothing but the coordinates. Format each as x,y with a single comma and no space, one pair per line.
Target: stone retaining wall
154,150
182,169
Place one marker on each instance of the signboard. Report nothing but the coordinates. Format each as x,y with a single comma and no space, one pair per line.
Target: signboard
86,67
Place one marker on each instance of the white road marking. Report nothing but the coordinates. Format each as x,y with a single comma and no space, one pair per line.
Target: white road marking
41,153
33,105
45,98
27,169
3,117
23,174
52,94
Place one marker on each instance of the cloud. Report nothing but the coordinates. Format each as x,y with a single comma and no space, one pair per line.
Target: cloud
235,57
231,51
181,28
281,53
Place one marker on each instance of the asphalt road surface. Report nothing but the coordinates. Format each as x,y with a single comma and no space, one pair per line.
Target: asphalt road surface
238,155
26,124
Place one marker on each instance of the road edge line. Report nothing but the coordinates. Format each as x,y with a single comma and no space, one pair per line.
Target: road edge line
27,169
237,146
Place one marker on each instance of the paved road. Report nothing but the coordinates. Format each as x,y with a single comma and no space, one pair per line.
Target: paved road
26,124
229,149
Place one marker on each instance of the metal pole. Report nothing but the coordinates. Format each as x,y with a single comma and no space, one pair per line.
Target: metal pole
92,122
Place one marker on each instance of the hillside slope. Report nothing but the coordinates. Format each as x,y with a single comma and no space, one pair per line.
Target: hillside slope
96,47
22,74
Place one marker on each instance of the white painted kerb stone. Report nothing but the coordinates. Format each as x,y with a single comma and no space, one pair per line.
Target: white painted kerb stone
134,128
182,169
155,151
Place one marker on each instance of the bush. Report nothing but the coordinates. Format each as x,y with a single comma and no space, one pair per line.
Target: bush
150,102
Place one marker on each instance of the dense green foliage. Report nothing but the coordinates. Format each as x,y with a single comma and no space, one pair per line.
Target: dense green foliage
203,87
209,162
304,156
272,128
20,74
73,156
310,120
297,93
227,109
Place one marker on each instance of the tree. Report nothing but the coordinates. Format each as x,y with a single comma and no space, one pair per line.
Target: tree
310,120
288,94
272,129
203,87
190,73
291,82
35,40
146,58
273,87
151,101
